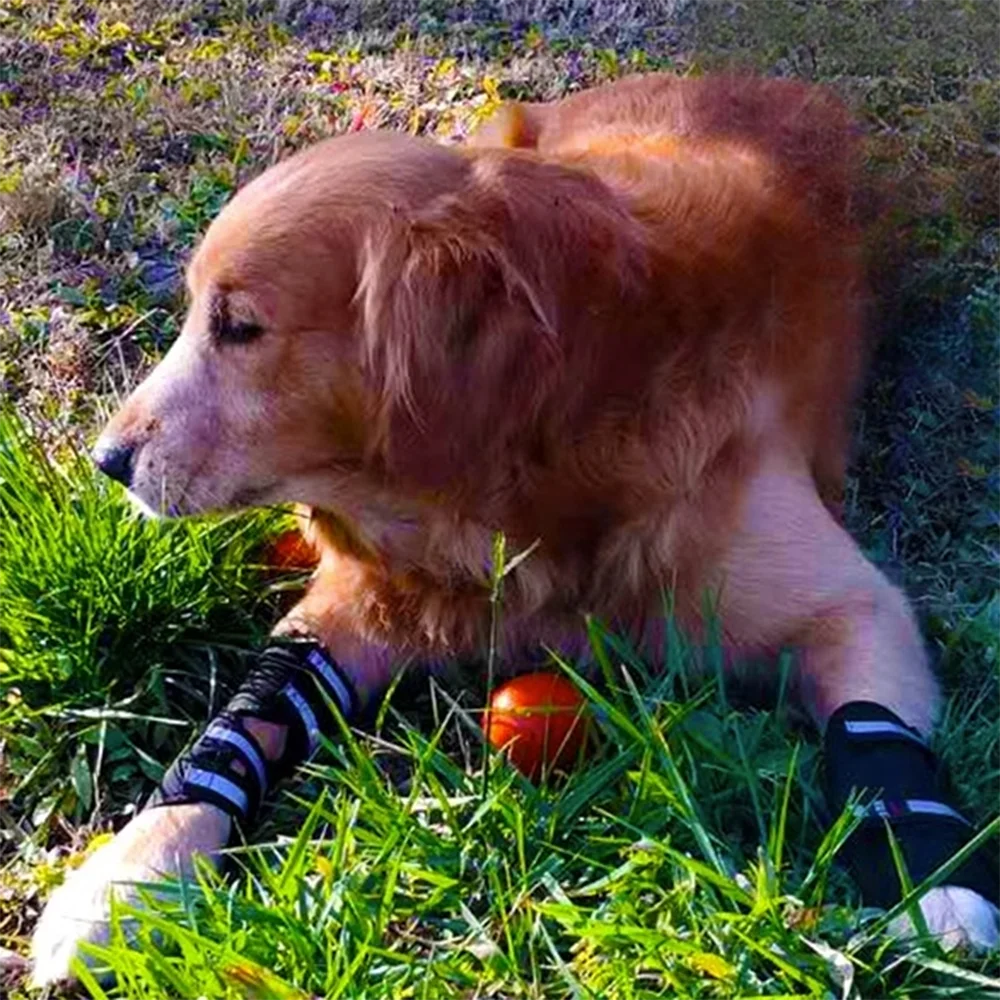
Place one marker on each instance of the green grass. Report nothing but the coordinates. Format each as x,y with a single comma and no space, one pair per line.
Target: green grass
117,636
633,879
689,858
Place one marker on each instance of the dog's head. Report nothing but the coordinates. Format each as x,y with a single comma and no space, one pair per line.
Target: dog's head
378,309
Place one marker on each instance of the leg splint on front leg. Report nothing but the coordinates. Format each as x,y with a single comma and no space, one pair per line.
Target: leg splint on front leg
295,685
218,783
871,752
793,576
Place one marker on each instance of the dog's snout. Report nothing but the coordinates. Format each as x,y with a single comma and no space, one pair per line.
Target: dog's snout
116,460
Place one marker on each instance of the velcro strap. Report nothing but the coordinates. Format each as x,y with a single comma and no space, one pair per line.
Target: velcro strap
225,767
870,752
295,684
299,685
309,692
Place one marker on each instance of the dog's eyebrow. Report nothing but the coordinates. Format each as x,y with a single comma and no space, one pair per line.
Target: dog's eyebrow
225,329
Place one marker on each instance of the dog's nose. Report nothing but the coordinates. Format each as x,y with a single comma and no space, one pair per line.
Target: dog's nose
115,460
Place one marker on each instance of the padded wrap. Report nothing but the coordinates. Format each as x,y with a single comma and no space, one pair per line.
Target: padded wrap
294,684
871,751
225,766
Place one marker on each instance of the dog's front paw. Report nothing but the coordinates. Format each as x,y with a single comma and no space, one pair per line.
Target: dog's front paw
158,843
957,917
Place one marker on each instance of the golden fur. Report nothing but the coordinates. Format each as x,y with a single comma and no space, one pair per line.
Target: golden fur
625,326
588,340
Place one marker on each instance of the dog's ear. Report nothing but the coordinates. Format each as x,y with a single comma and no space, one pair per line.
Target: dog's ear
479,307
514,125
460,337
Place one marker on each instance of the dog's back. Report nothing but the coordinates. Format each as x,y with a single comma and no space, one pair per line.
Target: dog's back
803,129
745,185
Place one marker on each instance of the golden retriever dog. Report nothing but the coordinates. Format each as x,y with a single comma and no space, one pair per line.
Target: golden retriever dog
626,328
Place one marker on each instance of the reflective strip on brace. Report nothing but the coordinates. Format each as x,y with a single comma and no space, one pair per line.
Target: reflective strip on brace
867,727
307,717
209,781
334,683
897,808
309,692
221,729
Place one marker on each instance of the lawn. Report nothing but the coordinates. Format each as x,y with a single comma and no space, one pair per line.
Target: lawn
691,857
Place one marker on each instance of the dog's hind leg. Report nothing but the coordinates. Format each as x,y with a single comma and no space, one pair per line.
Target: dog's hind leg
793,577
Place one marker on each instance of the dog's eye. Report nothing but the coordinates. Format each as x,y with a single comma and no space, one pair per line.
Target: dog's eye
228,329
241,331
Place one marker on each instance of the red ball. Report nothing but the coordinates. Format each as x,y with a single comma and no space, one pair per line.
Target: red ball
539,721
291,551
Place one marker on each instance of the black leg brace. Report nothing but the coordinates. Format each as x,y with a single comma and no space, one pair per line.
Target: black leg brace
294,685
869,750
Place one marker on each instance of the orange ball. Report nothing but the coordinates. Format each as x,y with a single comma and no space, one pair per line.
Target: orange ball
539,721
